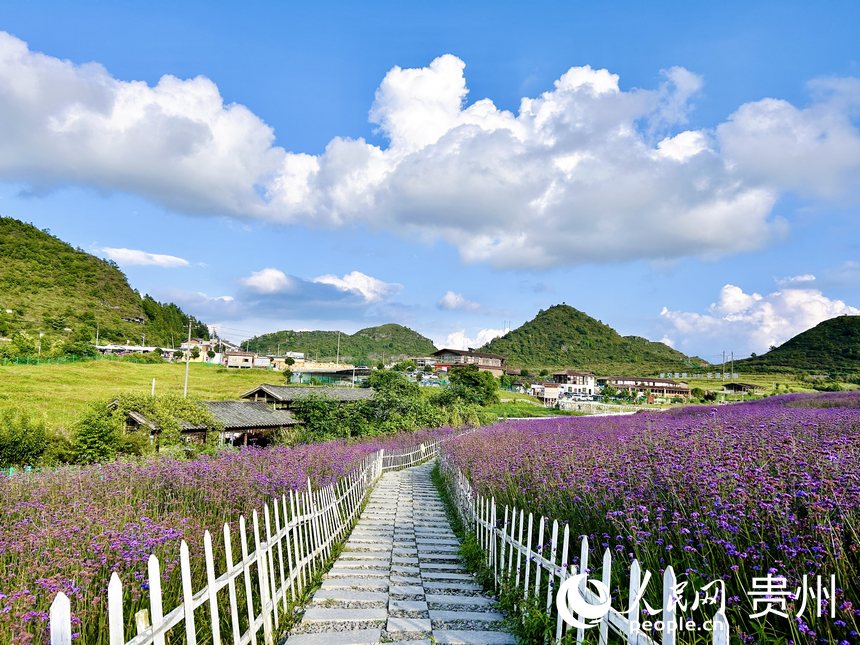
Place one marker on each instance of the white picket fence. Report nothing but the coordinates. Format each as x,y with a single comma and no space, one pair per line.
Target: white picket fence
291,542
516,550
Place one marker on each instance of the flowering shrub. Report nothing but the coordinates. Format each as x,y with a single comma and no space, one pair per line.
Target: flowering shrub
734,492
69,529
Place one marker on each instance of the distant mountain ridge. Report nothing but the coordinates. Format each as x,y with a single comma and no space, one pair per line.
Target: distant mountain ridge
372,344
68,295
564,337
831,347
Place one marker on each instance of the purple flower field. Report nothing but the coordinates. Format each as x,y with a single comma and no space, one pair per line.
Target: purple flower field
732,492
69,529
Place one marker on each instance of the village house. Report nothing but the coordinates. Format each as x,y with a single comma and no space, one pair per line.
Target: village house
239,360
448,358
641,386
741,388
575,383
203,347
548,393
244,422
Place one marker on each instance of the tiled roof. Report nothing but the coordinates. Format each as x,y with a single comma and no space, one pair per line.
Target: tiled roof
288,393
248,414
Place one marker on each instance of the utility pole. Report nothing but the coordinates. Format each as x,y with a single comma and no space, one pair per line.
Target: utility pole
187,361
143,340
724,365
152,394
337,356
733,365
97,333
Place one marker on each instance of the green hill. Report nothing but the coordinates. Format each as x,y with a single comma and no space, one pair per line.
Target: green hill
68,295
366,345
831,347
564,337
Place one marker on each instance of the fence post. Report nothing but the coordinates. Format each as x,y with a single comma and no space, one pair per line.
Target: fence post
721,629
210,588
633,599
155,607
607,577
116,627
669,633
61,620
262,578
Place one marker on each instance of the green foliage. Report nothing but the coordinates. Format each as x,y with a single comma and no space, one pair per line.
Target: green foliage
97,438
390,383
365,345
472,385
397,405
99,433
564,337
68,295
23,439
831,347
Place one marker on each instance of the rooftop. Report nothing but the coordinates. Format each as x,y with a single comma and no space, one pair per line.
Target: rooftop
289,393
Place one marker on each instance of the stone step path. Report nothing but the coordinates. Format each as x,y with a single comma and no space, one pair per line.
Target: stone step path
400,578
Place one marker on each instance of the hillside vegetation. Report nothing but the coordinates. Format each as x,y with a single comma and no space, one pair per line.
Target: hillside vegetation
831,347
564,337
48,287
366,345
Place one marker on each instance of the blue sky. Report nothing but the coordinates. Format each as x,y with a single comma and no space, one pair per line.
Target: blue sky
681,171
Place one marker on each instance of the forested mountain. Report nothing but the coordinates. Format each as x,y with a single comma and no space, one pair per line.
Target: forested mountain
390,341
831,347
564,337
69,296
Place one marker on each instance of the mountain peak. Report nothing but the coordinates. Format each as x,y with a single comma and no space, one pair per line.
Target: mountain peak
563,336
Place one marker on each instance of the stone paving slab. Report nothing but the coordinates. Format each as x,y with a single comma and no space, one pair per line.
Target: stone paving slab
401,573
469,637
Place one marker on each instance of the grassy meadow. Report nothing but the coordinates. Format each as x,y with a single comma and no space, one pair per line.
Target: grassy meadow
58,393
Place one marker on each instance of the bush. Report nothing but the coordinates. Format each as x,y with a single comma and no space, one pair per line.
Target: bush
97,437
23,439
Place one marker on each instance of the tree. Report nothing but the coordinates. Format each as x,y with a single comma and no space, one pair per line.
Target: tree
390,383
472,385
288,376
289,360
210,354
609,391
195,352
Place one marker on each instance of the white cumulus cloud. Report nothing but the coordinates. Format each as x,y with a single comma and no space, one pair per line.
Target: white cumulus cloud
459,339
804,278
369,288
586,171
453,300
136,257
269,280
752,322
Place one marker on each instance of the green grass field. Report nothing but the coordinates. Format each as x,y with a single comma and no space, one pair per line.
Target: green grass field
60,392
